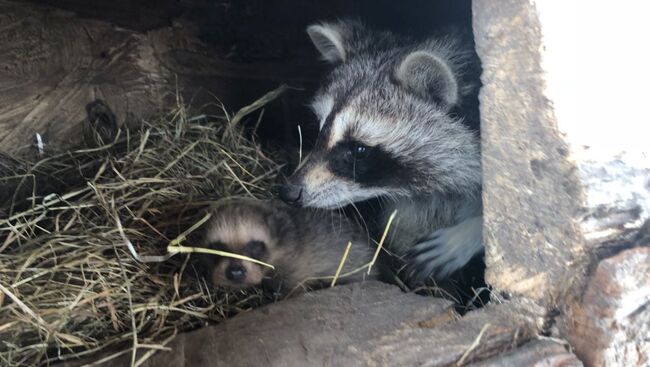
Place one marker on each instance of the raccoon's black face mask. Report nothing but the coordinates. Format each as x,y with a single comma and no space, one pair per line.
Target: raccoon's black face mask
337,173
369,166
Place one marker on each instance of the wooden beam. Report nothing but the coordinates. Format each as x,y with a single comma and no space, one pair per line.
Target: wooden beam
362,324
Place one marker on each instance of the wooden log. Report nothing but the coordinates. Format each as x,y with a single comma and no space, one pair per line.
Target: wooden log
139,15
53,63
566,173
535,353
610,324
363,324
557,185
531,193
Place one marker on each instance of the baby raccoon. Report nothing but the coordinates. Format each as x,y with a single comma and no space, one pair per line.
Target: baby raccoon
305,246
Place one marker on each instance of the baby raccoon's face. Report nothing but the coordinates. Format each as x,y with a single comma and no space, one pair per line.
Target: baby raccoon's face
237,273
238,233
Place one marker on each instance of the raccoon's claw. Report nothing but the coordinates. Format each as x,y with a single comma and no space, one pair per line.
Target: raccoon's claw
427,260
444,251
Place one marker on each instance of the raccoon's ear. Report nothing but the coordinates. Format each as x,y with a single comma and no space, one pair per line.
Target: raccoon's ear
427,75
328,40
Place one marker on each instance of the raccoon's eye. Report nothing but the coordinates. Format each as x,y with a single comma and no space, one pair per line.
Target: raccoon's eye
218,245
255,249
359,151
212,260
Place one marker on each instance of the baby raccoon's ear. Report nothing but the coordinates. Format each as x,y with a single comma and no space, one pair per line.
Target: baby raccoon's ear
278,220
428,76
328,39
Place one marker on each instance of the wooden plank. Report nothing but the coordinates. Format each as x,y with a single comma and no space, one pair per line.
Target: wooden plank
363,324
530,190
534,353
318,328
53,63
563,190
610,323
139,15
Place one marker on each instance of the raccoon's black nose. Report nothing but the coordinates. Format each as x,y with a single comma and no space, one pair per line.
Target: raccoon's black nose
235,273
291,194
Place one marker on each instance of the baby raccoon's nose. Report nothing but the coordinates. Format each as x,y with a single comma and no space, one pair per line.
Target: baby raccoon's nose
235,273
291,194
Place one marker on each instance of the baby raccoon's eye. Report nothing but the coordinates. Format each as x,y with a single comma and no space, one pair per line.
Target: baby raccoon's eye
209,260
218,245
255,249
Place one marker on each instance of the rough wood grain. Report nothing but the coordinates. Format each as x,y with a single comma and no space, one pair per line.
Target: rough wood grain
531,194
563,191
610,324
52,64
534,353
480,334
139,15
367,324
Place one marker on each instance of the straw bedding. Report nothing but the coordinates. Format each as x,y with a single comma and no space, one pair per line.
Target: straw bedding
70,286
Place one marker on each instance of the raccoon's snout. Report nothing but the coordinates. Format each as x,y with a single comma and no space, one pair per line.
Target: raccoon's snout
235,273
291,194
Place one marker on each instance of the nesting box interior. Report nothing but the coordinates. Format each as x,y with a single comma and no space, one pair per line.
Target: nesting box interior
70,67
139,58
67,63
235,51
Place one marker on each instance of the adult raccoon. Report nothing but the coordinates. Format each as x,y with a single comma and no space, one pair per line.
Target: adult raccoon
389,129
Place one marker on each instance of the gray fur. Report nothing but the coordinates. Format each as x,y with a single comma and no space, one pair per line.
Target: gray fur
396,94
305,244
425,74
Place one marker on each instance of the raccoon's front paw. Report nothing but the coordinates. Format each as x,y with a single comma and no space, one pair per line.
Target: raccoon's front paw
444,251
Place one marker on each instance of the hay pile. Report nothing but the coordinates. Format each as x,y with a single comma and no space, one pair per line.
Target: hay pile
70,287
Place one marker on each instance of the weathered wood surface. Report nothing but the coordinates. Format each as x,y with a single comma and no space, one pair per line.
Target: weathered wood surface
141,15
609,325
53,63
539,353
566,177
367,324
531,194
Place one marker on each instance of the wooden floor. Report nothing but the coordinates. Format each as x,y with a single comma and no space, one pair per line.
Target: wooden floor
367,324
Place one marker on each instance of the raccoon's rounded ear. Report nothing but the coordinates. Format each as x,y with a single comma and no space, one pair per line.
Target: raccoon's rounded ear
427,75
328,40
